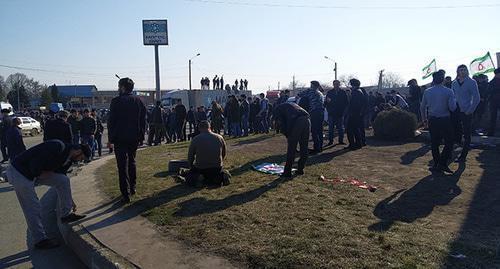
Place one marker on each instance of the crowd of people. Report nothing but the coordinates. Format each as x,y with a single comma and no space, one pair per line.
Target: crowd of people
218,84
450,109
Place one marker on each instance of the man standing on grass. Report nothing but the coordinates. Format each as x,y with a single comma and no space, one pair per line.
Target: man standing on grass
336,103
467,95
262,115
494,98
295,125
205,156
181,113
316,110
126,127
437,104
45,164
355,112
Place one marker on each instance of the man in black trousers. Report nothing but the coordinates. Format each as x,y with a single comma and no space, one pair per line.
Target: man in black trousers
295,124
437,105
126,127
355,112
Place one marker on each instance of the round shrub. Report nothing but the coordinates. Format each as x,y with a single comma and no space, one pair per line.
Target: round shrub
395,124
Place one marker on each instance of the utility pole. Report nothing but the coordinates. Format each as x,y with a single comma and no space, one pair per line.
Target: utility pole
498,59
335,70
278,85
381,75
190,61
293,83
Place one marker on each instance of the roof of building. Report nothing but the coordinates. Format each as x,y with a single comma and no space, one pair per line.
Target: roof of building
76,90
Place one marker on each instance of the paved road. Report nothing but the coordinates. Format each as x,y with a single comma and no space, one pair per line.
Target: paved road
14,242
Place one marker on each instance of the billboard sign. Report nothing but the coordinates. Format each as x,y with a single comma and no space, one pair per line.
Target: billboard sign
155,32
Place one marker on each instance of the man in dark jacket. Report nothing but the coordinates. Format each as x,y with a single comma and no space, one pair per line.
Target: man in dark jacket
14,137
336,103
494,91
181,113
74,121
126,127
234,116
317,111
295,125
88,129
355,112
157,123
4,126
245,114
47,163
415,98
58,128
98,132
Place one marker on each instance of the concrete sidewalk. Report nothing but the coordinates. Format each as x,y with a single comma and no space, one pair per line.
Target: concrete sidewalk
129,239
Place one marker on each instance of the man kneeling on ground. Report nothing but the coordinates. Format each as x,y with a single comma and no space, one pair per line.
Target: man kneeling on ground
206,154
295,124
45,164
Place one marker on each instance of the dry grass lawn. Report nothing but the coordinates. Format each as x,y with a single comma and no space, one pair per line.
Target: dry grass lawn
414,219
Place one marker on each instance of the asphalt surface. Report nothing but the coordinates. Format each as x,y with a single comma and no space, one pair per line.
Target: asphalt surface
15,244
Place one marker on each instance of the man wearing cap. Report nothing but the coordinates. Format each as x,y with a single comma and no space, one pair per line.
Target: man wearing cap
467,95
45,164
494,91
126,127
317,112
437,104
336,103
355,112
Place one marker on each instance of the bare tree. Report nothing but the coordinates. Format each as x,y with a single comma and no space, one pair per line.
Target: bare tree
392,80
2,89
344,79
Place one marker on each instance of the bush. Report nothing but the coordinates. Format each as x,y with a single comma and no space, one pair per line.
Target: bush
395,124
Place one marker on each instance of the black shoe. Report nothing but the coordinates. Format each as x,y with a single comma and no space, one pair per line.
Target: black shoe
47,244
226,181
132,191
125,199
299,172
445,169
72,217
286,175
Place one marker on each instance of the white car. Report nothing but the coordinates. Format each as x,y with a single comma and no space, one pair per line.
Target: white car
30,126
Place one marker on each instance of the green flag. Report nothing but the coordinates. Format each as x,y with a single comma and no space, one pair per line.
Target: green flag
482,65
429,69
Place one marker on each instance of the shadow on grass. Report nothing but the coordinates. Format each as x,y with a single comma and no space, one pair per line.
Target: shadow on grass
142,205
164,174
325,157
376,142
478,238
6,189
410,156
417,202
199,206
252,140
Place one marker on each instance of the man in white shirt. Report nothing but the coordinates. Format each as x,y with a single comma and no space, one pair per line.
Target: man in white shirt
437,104
467,95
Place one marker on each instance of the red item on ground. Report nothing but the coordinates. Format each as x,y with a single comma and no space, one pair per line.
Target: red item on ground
352,181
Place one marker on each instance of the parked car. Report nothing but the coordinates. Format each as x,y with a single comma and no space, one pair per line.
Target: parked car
30,126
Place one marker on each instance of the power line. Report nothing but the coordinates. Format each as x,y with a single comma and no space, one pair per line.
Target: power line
276,5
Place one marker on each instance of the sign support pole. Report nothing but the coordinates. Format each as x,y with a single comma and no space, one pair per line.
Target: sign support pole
157,74
498,59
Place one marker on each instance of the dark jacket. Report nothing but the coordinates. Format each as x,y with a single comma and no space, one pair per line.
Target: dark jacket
156,115
127,120
4,126
58,129
89,126
245,108
201,116
75,124
415,94
233,112
47,156
286,114
99,127
357,104
190,116
15,144
494,90
338,103
181,112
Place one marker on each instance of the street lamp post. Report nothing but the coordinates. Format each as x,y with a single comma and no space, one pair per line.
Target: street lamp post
190,60
335,66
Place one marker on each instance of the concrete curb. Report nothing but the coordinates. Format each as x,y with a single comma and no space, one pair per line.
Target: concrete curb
93,253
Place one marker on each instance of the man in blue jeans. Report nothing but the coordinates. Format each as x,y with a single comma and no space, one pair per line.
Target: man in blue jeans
262,115
336,103
88,130
316,111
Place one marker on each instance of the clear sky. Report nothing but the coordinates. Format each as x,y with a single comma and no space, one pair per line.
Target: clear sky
87,42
